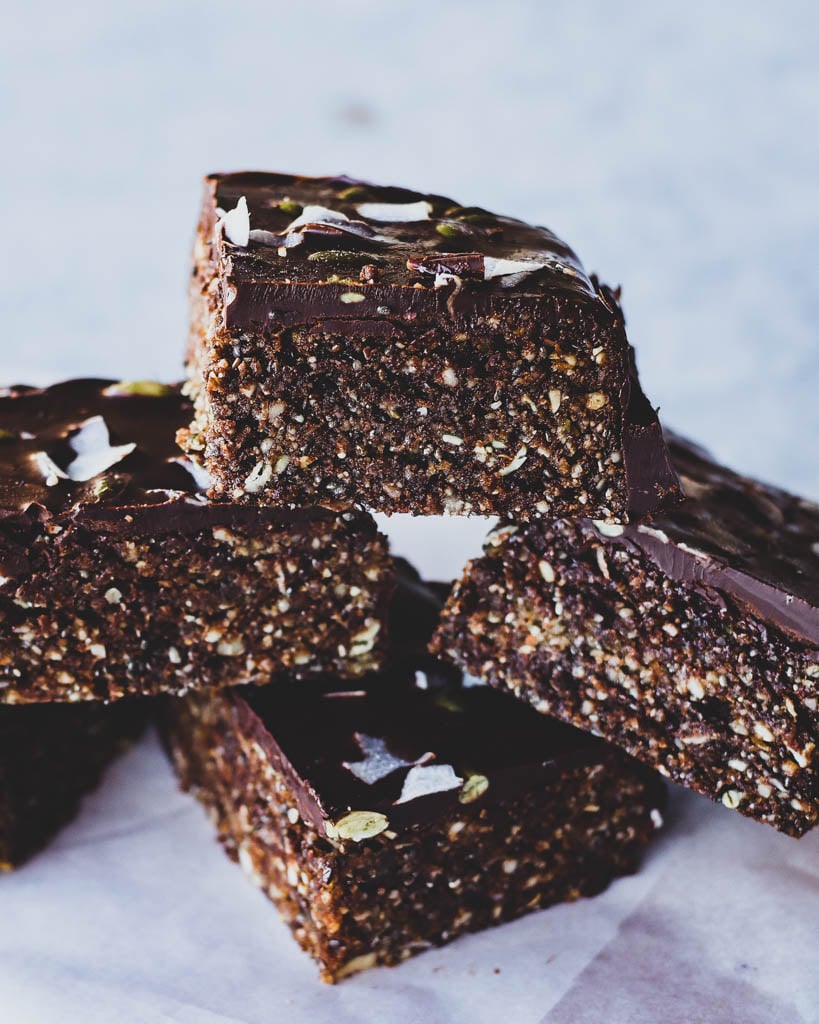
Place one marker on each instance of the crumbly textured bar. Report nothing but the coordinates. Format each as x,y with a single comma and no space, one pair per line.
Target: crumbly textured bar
50,756
118,576
692,643
391,818
354,344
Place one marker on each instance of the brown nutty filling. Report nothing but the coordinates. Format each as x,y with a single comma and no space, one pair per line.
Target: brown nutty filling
103,616
354,905
595,634
304,414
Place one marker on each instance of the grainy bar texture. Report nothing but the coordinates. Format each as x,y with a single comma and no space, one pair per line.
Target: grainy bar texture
50,756
692,643
353,344
391,818
118,576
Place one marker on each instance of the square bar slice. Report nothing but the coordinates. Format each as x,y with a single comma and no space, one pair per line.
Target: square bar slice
358,345
50,756
692,643
395,816
119,577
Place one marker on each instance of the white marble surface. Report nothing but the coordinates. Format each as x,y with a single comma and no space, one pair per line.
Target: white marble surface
675,148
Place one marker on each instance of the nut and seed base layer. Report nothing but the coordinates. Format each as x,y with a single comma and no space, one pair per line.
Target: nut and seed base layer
393,817
692,643
360,345
118,576
50,756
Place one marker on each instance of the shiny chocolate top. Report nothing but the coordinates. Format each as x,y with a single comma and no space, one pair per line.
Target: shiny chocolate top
411,743
349,248
746,539
93,441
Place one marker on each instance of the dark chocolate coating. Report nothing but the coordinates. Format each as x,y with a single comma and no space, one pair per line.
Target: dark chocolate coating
746,539
310,731
37,421
152,489
406,255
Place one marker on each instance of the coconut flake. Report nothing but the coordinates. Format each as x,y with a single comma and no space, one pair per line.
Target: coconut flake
428,779
517,461
236,223
317,215
378,761
398,213
93,449
502,268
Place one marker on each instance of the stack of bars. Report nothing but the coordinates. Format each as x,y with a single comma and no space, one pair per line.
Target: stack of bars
358,349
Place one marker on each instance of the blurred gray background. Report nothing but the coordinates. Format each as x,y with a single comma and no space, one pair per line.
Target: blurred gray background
676,148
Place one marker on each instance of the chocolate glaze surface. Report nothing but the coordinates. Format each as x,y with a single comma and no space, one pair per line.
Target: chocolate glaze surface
743,538
474,730
104,453
311,235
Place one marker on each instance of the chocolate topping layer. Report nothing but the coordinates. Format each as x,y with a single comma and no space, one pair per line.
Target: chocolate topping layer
421,250
743,538
365,749
104,453
92,442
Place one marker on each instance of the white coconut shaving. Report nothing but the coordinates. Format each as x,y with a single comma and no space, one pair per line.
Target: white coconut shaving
236,223
398,213
503,268
378,761
317,215
94,452
423,780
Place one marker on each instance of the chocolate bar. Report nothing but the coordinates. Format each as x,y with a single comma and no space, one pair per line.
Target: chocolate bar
118,576
359,345
692,642
394,815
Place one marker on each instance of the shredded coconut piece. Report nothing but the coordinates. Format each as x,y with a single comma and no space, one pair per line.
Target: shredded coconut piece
501,268
93,449
317,215
427,779
378,761
398,213
236,223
